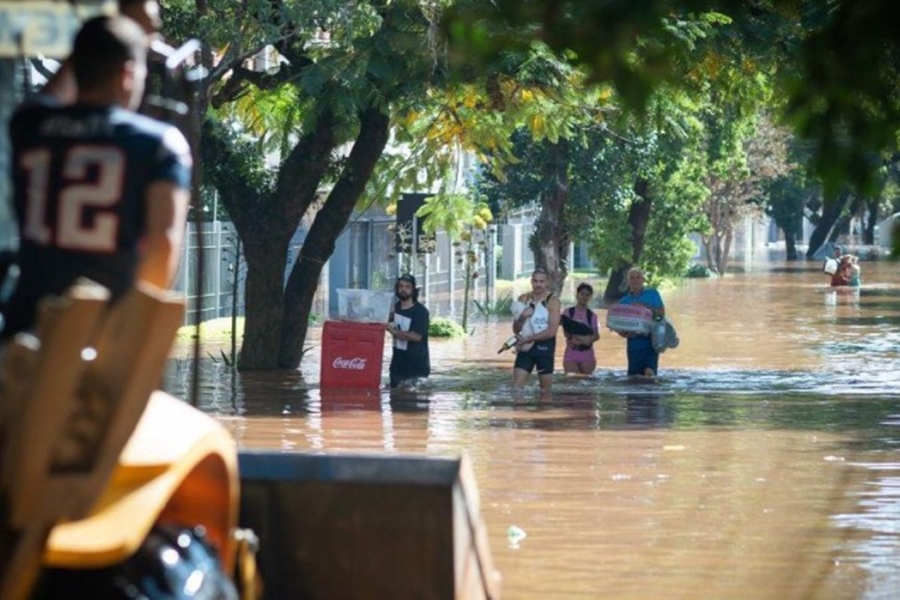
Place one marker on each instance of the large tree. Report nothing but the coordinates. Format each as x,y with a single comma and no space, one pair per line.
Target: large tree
736,183
838,62
555,137
527,99
629,190
321,105
715,57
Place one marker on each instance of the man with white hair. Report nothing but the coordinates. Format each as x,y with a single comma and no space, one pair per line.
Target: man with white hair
643,359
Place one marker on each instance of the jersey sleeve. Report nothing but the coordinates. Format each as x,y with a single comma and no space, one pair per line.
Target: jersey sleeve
173,162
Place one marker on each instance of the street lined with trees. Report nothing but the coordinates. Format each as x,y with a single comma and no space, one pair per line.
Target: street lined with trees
629,126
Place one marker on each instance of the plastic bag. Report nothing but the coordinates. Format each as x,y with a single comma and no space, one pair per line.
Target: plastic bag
663,335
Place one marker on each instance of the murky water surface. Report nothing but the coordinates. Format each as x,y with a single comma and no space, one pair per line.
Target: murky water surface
762,464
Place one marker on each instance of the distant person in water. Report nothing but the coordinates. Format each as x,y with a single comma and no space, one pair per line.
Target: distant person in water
848,271
581,330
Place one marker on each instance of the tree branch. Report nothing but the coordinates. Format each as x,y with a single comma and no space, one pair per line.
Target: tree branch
236,84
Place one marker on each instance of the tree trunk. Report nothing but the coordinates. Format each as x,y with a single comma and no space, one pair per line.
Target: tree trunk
265,222
328,225
264,297
615,286
790,245
716,247
725,254
264,231
827,225
707,242
550,241
870,222
638,219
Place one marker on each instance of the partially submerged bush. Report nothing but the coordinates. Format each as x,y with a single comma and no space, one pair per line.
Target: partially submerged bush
698,271
445,328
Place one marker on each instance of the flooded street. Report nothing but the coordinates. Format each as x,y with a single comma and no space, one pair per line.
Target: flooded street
763,462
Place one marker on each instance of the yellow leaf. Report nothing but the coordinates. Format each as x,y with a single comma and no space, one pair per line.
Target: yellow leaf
537,125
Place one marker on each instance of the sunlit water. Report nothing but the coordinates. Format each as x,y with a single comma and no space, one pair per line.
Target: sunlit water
763,462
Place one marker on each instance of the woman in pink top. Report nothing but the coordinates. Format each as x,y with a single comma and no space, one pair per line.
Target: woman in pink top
579,356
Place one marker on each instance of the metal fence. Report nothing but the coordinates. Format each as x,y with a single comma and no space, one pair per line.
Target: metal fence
221,291
366,257
370,260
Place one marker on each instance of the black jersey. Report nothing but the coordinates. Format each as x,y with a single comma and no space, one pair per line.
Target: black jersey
80,177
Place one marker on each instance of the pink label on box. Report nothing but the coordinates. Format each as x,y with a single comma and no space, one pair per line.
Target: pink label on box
629,317
631,310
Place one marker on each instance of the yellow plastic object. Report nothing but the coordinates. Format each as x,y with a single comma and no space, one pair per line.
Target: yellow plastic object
179,466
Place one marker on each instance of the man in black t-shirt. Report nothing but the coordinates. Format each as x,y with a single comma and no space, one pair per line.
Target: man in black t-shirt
409,328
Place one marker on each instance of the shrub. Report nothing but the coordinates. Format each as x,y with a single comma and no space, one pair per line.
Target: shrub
500,306
445,328
698,271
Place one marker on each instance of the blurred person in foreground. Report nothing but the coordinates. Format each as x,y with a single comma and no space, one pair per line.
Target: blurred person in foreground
99,190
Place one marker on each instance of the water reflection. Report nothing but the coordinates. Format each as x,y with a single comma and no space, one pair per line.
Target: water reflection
761,464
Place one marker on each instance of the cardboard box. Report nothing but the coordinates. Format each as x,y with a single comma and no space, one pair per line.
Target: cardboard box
629,318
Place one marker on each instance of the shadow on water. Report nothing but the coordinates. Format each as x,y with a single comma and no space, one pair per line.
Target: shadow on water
764,456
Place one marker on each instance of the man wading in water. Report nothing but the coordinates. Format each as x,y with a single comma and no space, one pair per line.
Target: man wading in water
535,324
409,327
643,359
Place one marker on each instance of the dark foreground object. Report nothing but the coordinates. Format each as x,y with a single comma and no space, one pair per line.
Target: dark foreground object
366,526
173,563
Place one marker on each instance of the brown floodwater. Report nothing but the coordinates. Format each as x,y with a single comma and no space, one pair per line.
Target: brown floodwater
763,462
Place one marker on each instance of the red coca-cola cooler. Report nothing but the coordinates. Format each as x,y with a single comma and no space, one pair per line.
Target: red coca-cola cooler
352,354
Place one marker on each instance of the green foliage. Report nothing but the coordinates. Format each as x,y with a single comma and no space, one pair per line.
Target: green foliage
787,198
603,170
445,328
834,65
535,90
500,306
223,358
465,219
697,271
311,87
242,166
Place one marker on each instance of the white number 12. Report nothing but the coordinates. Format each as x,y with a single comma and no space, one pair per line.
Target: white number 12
77,196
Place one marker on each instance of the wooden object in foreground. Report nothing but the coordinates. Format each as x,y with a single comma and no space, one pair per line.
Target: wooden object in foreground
65,422
366,526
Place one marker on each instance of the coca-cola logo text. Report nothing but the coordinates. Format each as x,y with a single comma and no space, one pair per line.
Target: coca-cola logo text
354,364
